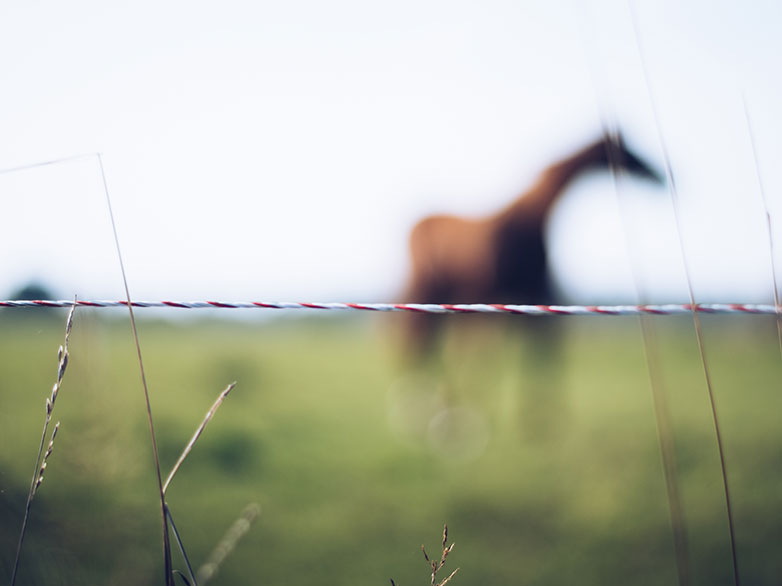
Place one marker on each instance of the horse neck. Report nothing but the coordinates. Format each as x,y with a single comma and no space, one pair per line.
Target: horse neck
535,204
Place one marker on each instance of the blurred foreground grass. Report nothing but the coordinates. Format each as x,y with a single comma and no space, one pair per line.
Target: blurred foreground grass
547,472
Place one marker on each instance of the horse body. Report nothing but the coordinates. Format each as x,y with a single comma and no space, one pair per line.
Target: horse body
501,258
459,260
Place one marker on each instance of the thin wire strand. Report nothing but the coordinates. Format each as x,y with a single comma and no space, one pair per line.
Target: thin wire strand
696,319
435,308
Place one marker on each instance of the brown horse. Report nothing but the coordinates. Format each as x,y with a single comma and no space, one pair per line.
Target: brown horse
502,258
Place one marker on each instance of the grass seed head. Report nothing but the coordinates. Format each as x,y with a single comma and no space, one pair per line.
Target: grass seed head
46,455
63,365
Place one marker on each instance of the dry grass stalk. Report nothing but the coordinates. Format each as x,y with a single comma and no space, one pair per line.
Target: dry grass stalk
207,418
437,565
169,519
169,575
42,457
227,544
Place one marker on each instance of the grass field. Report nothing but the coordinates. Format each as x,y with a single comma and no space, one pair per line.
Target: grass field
547,471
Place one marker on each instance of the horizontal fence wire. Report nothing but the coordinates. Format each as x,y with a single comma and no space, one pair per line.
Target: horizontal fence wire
435,308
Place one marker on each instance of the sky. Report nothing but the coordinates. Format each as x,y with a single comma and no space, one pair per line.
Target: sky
283,150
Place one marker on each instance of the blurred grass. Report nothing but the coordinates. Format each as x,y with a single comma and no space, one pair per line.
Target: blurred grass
547,471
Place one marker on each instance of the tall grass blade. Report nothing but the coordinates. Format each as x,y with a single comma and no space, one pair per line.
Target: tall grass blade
166,539
182,576
659,393
207,418
769,227
181,549
695,318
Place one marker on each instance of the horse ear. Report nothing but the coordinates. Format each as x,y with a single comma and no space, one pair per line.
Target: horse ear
613,145
614,139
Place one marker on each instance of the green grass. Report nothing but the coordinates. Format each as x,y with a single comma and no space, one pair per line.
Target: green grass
327,432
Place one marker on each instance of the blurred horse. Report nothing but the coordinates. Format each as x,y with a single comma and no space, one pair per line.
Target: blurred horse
501,258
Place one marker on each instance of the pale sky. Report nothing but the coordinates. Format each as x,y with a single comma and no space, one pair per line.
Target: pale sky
283,150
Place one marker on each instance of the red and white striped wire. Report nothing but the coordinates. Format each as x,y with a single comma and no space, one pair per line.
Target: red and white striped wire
437,308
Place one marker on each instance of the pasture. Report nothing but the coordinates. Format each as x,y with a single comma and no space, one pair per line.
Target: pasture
546,473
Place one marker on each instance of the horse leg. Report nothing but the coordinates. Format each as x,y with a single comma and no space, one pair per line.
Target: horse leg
543,403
